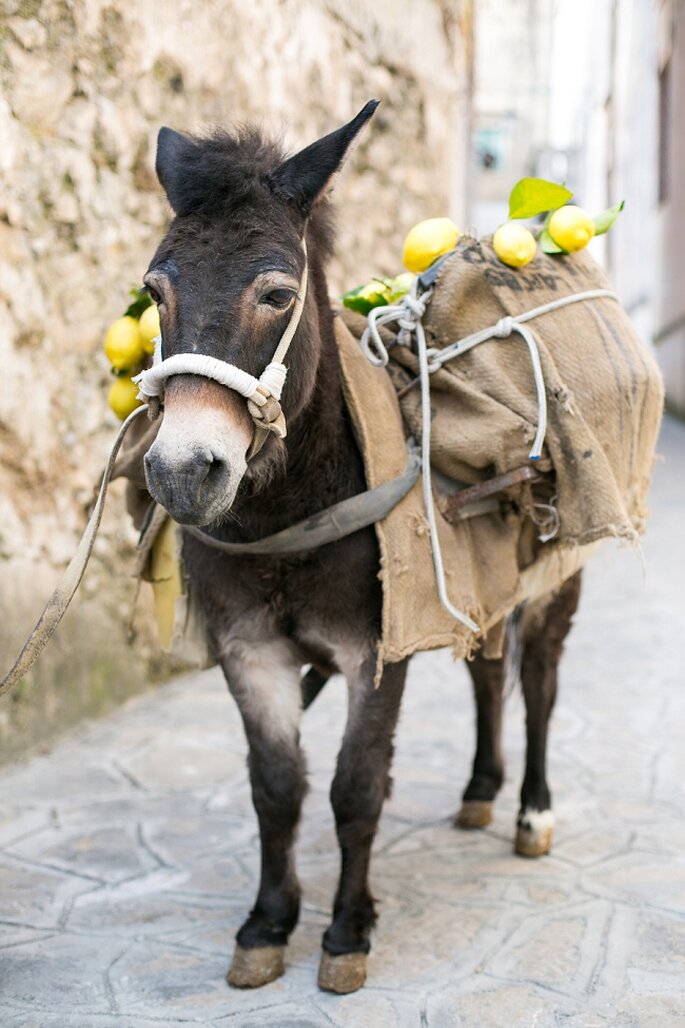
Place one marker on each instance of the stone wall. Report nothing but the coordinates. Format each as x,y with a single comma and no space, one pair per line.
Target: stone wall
85,85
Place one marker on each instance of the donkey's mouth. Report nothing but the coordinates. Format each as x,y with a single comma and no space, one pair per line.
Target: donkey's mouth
195,492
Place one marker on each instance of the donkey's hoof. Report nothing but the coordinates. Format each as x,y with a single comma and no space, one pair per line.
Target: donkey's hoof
474,814
251,968
534,833
345,973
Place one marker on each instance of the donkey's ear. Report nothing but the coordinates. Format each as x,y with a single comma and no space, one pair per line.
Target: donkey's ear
176,154
303,178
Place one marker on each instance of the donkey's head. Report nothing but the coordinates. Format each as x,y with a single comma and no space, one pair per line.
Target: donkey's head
226,279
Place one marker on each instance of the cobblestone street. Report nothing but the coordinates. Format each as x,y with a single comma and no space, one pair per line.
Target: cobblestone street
129,853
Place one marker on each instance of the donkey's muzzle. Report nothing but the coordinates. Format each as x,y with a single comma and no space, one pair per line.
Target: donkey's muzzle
194,491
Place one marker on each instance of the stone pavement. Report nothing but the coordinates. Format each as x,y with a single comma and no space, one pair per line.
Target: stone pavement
128,855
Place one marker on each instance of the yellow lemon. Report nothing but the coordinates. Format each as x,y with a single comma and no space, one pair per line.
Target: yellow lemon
123,397
148,326
571,228
123,345
514,244
427,241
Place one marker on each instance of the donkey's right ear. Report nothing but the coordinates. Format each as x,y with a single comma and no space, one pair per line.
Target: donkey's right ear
176,157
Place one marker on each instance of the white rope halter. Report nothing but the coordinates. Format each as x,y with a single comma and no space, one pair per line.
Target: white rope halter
263,394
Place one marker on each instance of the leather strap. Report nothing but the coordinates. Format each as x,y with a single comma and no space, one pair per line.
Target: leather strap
336,522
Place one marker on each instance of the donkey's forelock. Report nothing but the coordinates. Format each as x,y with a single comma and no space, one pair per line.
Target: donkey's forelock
214,173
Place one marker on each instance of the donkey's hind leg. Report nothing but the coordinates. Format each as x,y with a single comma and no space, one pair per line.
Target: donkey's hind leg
488,768
546,625
361,783
265,682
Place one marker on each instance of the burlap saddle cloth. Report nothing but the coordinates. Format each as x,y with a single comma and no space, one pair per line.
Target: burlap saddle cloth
604,398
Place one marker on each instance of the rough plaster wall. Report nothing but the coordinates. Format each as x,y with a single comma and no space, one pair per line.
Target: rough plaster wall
85,84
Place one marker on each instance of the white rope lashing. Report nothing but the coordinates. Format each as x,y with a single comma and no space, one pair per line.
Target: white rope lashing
428,502
408,314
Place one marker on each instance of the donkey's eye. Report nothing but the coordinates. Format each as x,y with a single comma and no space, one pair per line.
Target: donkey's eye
278,298
154,294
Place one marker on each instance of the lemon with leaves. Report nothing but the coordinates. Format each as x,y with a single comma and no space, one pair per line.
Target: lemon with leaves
571,228
123,344
427,241
148,327
514,244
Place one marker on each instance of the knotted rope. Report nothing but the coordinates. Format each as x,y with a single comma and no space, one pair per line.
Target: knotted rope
408,314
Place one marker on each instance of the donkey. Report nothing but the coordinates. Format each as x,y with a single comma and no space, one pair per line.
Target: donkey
226,278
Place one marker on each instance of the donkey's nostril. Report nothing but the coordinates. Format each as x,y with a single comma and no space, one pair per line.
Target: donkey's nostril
215,470
202,461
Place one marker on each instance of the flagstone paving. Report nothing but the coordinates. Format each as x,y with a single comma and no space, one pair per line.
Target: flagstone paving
128,854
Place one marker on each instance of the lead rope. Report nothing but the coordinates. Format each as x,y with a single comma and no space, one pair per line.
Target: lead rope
57,605
408,314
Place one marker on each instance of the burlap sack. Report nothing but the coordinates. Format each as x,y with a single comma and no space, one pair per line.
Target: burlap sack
604,390
605,400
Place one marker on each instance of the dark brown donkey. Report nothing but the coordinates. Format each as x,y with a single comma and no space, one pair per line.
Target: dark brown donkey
226,277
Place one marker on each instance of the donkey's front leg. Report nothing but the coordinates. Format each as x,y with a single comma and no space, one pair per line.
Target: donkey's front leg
265,681
361,783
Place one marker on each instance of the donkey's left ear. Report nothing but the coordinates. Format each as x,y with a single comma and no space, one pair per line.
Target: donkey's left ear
303,178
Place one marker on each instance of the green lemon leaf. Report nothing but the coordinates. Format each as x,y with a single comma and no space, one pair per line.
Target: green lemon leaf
605,220
358,304
547,244
141,301
533,196
357,301
364,298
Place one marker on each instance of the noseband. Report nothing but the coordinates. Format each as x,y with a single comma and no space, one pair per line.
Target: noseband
263,394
